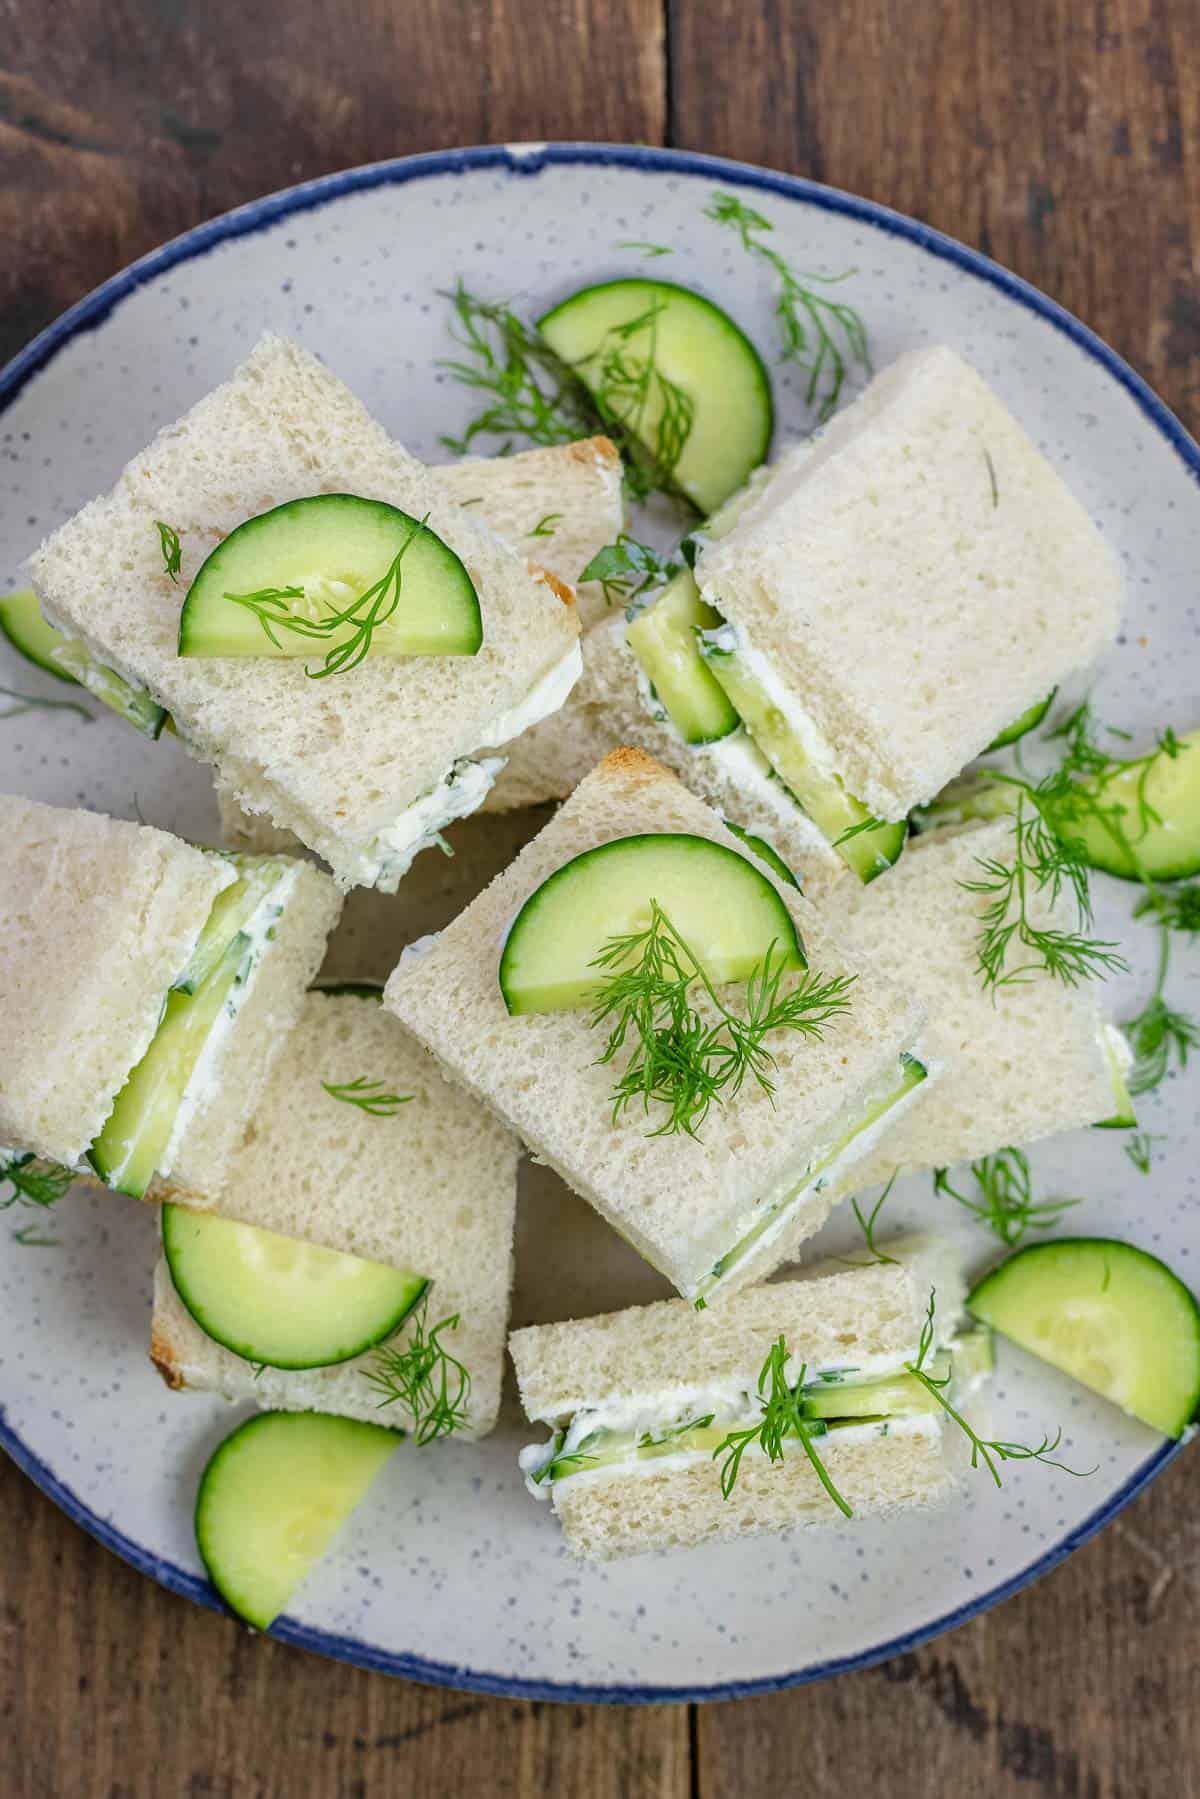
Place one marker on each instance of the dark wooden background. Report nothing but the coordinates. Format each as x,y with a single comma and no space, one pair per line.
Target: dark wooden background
1062,137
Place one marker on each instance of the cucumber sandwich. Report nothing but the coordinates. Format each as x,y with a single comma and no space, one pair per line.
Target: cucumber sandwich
344,644
366,1202
146,989
661,1421
718,1180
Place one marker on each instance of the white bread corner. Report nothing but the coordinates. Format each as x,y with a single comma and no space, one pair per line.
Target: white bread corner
98,919
910,610
578,487
605,712
432,1189
671,1196
336,760
260,1031
1019,1065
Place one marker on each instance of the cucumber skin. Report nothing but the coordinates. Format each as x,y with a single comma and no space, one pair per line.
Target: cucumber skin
11,608
1028,721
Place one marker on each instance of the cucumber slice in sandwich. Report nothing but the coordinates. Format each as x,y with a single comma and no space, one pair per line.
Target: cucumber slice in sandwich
725,910
663,639
274,1495
278,1301
867,845
1111,1316
1029,720
677,373
231,913
276,583
22,623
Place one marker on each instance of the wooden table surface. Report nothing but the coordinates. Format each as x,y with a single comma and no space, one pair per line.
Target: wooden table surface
1061,136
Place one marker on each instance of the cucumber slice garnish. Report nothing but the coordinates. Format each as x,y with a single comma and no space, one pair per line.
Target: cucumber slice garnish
278,1301
272,1498
128,1150
335,549
1029,720
638,346
663,639
1160,818
22,623
758,846
724,909
231,912
1110,1315
866,844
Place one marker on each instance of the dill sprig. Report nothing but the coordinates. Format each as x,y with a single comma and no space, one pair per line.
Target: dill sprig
1005,1202
867,1225
172,549
626,568
682,1058
824,335
1158,1034
34,702
1140,1149
365,615
656,1439
29,1237
34,1182
635,396
366,1096
782,1421
1176,908
422,1375
991,1451
545,526
647,250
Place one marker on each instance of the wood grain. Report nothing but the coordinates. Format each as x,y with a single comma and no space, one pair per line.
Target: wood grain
1060,135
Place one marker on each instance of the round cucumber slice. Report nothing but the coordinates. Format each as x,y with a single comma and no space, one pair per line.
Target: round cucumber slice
22,623
1112,1316
277,1301
272,1498
1021,727
725,909
1166,847
637,345
335,549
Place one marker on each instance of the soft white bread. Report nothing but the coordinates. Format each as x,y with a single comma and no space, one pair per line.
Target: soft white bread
337,761
432,1189
917,579
606,711
675,1198
97,919
1022,1061
831,1318
245,1055
574,492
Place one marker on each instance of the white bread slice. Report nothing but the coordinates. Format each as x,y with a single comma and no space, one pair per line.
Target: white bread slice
574,491
432,1189
338,761
1021,1062
674,1198
670,1357
917,579
606,711
97,918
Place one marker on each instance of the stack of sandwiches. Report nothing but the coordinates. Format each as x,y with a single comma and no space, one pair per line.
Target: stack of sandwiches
339,1174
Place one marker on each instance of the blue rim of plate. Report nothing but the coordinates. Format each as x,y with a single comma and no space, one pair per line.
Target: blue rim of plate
524,161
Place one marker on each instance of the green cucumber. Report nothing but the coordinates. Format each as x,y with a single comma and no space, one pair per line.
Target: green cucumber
335,549
637,344
128,1150
758,846
891,1394
1110,1315
22,623
1125,1117
232,911
724,518
866,844
964,800
1029,720
277,1301
663,639
723,907
1159,823
273,1497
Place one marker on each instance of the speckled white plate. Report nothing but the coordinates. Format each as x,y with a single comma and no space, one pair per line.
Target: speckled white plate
449,1572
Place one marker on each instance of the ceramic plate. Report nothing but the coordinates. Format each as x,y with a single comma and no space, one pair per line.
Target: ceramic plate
449,1573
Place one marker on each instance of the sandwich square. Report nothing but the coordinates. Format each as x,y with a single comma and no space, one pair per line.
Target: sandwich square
431,1189
684,1203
